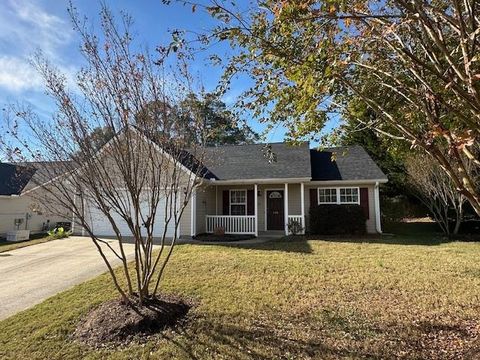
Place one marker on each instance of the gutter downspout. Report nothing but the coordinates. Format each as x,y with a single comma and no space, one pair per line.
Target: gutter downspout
378,224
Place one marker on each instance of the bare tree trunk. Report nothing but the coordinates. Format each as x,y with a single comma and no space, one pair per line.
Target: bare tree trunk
458,220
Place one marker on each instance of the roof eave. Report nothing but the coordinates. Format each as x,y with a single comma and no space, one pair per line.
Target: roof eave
348,182
259,181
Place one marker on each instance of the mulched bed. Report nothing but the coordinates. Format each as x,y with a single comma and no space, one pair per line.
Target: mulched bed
116,323
222,238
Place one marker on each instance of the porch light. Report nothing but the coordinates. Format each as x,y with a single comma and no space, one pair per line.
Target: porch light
259,193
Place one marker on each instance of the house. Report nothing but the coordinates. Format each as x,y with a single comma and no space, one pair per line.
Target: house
250,194
18,208
244,191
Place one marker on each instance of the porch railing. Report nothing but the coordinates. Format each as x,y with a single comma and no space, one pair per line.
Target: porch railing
232,224
298,218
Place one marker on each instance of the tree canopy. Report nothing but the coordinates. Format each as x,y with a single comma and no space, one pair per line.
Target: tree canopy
414,63
219,125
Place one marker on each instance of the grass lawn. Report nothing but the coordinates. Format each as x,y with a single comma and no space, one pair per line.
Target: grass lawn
386,298
34,239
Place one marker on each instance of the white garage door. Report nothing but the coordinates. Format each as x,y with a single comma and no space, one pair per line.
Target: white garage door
101,226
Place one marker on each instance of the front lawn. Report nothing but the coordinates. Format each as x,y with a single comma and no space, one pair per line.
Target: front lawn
291,300
34,239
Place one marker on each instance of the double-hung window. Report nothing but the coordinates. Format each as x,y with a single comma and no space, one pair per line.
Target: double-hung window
349,196
346,195
238,202
327,196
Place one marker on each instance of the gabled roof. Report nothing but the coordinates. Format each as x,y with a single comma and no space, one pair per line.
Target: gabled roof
344,163
14,178
246,162
46,171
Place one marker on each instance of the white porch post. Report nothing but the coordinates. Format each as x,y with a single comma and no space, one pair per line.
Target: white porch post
302,204
286,208
255,196
193,203
376,196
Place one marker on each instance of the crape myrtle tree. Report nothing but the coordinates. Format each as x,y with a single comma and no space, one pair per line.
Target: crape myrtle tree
415,63
436,191
138,173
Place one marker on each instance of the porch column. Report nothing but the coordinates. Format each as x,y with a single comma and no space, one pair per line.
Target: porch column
286,208
193,203
302,204
255,197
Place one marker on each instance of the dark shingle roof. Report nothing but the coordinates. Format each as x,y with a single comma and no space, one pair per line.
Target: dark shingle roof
14,178
235,162
344,163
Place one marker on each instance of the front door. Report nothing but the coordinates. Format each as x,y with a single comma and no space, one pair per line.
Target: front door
275,210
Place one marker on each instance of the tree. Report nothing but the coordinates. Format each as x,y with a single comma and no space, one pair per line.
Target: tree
219,126
388,154
102,160
414,63
436,191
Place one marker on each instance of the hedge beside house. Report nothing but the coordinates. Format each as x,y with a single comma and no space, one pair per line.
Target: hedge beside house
337,219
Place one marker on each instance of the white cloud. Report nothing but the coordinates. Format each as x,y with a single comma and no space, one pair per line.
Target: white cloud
17,75
26,27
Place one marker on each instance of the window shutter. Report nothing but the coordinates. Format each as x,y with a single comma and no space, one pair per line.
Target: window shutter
250,202
226,202
364,202
313,198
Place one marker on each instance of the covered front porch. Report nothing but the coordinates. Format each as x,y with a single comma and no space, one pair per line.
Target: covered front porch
251,208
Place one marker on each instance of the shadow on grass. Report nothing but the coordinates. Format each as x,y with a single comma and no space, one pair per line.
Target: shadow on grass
423,240
291,244
254,341
299,339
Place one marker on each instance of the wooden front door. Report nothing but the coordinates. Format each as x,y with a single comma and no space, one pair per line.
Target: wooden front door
275,210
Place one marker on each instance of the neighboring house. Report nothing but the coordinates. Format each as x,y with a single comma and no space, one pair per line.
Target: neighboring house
18,208
245,193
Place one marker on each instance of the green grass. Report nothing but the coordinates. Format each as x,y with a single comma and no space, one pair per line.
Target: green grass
292,300
34,239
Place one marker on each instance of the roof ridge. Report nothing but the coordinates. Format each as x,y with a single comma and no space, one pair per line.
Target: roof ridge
262,143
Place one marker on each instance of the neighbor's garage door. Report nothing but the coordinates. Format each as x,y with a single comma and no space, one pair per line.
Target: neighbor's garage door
101,225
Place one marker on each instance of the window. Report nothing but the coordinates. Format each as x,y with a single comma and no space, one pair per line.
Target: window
327,196
338,195
349,196
238,202
275,195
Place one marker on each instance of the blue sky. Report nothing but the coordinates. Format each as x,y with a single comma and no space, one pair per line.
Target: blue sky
28,25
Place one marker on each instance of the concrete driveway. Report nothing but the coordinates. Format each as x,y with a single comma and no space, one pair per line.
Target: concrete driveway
32,274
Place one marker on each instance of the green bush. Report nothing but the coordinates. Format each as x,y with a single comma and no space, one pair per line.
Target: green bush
337,219
397,208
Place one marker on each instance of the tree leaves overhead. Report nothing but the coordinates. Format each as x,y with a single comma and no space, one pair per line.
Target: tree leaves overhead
414,63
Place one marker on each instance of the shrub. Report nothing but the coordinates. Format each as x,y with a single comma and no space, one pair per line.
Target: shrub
294,227
59,233
337,219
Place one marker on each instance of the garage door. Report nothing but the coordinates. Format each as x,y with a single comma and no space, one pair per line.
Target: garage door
101,226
